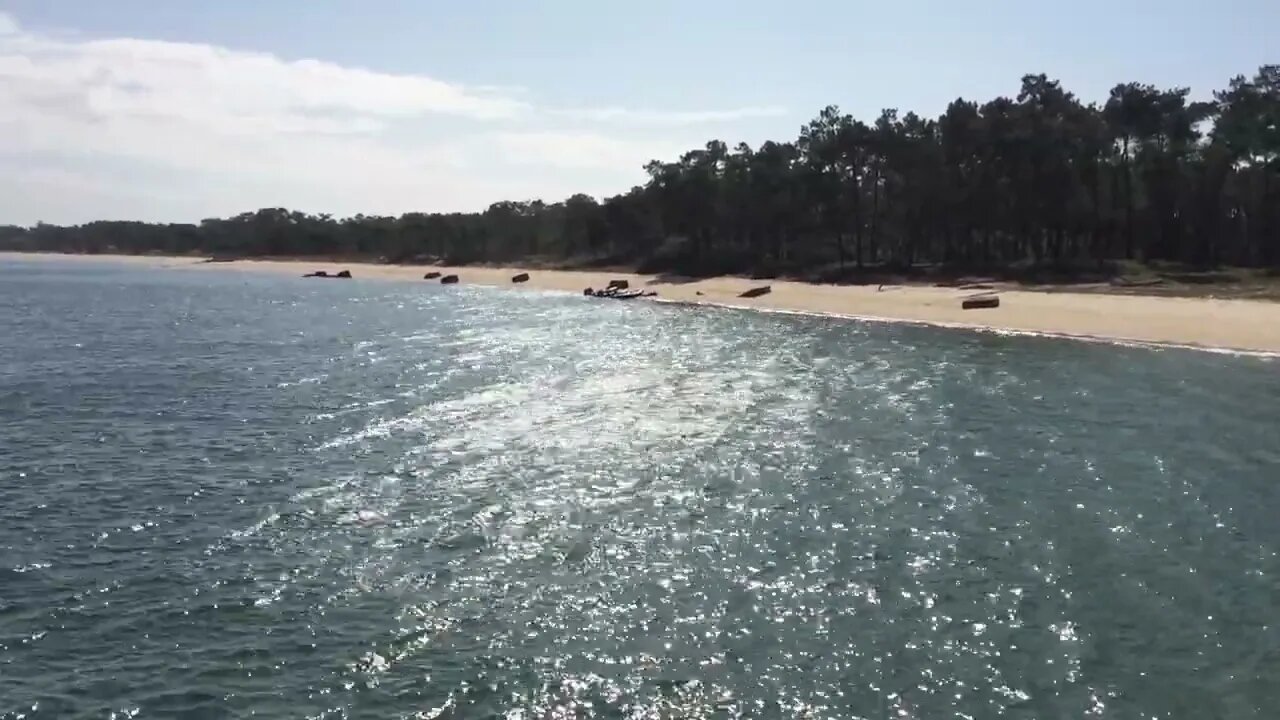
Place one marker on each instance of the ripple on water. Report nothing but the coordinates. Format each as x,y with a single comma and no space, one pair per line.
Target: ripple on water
443,503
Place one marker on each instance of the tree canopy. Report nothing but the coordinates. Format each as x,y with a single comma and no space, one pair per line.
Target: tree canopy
1037,179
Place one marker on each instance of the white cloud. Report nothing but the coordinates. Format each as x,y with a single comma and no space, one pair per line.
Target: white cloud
580,150
663,118
131,128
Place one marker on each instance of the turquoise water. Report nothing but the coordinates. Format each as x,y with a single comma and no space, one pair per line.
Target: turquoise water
228,495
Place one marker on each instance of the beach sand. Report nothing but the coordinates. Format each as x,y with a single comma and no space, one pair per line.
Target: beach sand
1240,325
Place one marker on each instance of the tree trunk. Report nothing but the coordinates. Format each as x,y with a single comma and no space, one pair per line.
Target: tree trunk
1263,225
1128,201
857,221
1096,244
875,218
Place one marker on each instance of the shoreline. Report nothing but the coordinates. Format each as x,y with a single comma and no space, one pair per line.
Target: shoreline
1235,326
993,330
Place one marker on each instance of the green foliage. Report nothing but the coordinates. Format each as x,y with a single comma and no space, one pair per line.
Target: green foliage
1040,178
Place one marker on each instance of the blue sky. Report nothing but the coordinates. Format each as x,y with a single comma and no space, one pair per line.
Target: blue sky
176,110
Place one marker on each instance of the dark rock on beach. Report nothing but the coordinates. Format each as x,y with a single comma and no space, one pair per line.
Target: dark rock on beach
977,302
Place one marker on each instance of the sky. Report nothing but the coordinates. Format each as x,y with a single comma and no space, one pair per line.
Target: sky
178,110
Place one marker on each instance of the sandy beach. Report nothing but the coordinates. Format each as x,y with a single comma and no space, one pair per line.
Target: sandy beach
1239,325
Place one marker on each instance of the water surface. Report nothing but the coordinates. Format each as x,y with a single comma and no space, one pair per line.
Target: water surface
228,495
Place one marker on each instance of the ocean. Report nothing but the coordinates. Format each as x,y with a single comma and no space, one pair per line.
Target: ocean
232,495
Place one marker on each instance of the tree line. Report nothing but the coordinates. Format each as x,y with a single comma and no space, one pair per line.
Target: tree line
1037,180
